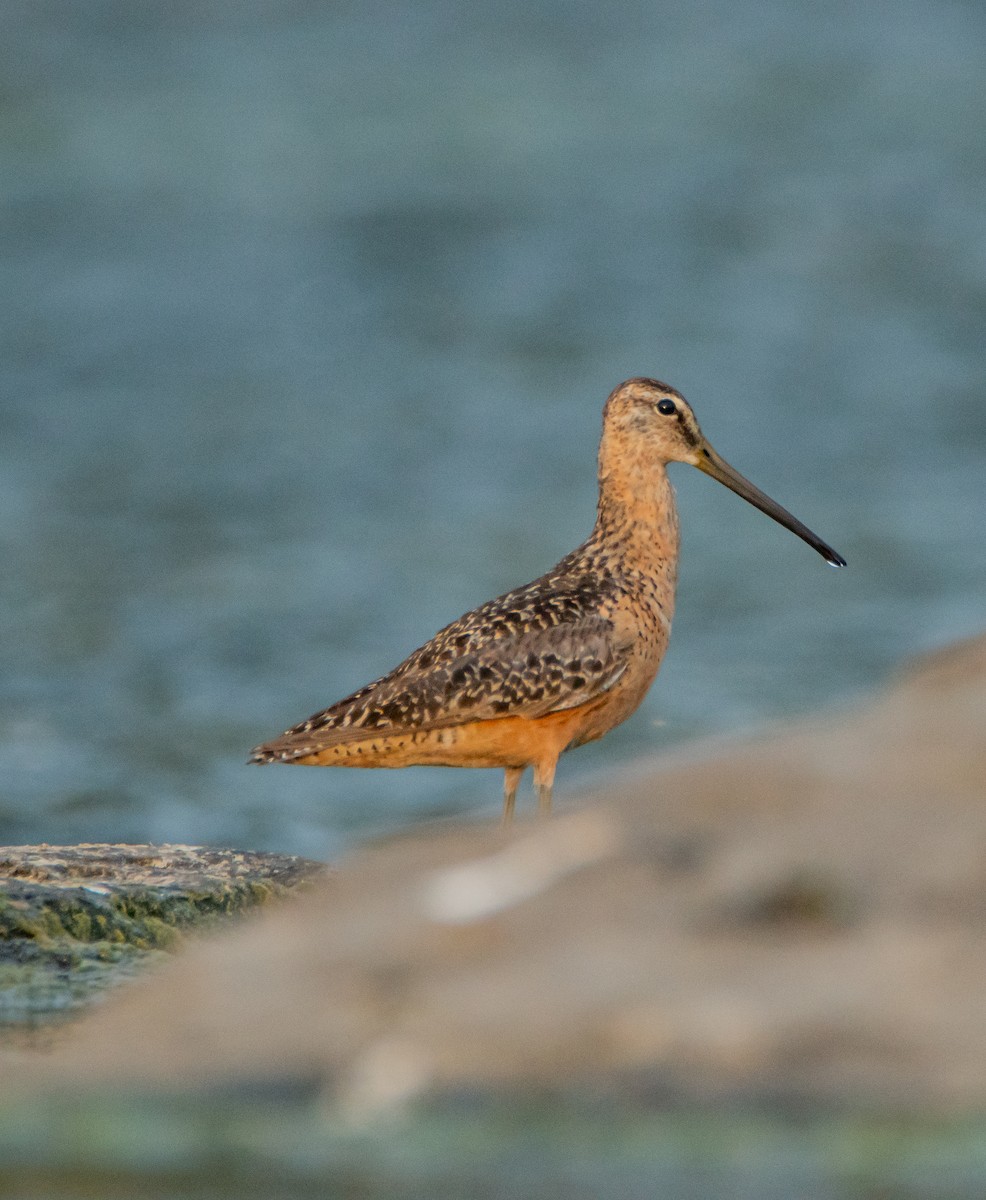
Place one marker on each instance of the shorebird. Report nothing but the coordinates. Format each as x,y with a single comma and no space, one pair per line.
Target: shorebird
558,662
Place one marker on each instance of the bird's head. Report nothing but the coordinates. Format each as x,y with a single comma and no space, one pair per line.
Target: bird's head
656,421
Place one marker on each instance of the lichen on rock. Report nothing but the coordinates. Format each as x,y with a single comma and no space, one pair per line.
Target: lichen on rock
75,920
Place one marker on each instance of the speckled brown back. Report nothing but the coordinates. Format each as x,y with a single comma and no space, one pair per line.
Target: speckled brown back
537,649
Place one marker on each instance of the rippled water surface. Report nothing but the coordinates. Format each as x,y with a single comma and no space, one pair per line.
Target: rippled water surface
308,314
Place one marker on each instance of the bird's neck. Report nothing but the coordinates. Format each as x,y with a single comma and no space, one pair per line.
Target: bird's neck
637,520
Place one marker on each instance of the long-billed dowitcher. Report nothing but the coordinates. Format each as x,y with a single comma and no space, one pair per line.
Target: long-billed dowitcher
561,661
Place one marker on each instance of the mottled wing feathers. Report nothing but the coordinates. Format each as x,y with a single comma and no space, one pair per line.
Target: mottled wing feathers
526,654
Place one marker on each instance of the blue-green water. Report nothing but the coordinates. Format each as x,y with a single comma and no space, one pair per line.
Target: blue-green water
308,314
285,1148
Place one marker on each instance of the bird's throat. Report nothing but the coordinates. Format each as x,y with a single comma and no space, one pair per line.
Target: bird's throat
637,511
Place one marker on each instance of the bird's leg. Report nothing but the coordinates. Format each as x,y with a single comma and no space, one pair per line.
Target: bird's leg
511,778
544,781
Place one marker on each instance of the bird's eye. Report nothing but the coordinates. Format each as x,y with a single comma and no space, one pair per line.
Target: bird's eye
667,407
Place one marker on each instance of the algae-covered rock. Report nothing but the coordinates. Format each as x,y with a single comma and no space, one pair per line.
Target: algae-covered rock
76,919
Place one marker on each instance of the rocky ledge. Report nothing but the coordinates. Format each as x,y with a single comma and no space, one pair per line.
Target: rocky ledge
74,920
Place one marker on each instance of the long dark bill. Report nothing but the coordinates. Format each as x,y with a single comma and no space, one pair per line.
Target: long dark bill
718,468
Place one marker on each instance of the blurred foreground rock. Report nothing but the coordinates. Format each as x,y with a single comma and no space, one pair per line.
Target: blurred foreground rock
799,915
75,920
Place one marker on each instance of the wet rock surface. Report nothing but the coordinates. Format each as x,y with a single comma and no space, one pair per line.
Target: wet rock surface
75,920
